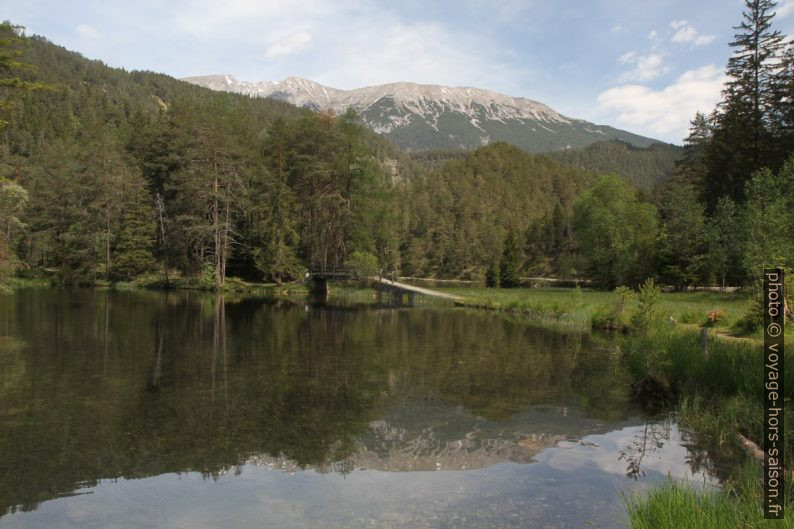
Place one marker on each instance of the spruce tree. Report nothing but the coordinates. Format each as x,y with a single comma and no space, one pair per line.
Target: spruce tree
132,252
783,109
510,265
743,141
753,70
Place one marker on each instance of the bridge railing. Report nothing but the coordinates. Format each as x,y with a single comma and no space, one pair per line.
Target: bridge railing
333,271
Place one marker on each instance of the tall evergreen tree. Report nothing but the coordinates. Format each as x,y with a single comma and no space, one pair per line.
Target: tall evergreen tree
682,242
783,110
753,70
13,197
743,141
510,265
277,239
132,248
726,243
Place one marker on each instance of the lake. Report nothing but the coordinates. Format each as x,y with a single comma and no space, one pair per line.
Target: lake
136,409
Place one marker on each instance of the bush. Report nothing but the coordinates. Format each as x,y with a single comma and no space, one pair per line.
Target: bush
207,279
690,316
492,276
614,315
362,264
647,313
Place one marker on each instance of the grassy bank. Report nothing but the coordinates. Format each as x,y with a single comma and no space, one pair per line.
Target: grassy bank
587,306
679,505
232,285
718,394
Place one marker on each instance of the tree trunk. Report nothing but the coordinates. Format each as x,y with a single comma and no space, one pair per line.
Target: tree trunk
216,232
160,213
107,241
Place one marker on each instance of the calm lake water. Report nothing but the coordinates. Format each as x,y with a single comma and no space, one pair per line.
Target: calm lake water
144,409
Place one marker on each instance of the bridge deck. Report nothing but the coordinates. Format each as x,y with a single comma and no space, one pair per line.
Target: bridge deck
414,289
341,273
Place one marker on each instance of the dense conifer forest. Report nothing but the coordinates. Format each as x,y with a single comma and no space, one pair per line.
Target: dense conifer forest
109,175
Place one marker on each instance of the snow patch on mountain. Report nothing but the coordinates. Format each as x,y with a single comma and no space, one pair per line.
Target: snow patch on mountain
419,116
428,101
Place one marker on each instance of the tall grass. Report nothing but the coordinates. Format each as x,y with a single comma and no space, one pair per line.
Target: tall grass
679,505
721,394
595,307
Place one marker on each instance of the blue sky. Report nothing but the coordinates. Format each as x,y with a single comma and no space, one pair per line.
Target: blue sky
644,66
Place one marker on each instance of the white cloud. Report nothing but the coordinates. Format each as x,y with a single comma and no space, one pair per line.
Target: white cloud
209,18
342,44
618,29
84,31
685,33
784,8
294,43
384,49
646,67
653,34
666,112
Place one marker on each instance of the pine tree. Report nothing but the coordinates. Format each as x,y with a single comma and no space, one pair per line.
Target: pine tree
682,242
510,265
743,141
726,243
783,109
274,234
13,197
12,85
753,69
692,167
132,251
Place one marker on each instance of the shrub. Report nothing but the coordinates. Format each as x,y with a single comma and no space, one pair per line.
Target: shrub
363,264
648,312
207,279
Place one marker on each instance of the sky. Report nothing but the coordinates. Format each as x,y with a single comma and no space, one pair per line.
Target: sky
643,66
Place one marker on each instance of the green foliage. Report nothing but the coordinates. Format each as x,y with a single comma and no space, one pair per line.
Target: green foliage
643,167
648,310
748,130
13,200
510,265
615,314
363,264
256,187
682,244
720,398
769,221
132,255
11,60
207,279
123,168
726,242
457,217
615,232
492,276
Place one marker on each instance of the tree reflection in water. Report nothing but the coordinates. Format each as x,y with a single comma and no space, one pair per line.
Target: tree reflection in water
102,385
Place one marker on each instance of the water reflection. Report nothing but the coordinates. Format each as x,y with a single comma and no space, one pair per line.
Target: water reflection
99,386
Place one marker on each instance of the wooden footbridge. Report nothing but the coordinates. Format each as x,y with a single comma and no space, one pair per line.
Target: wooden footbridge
318,281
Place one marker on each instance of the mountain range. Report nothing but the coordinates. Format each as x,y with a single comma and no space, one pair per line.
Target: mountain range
420,117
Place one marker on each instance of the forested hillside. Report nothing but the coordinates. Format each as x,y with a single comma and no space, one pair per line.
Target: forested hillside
643,167
112,175
126,174
459,215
